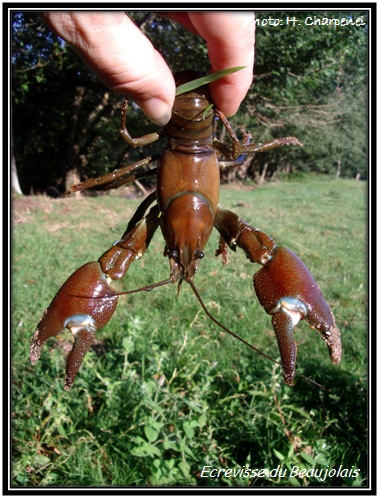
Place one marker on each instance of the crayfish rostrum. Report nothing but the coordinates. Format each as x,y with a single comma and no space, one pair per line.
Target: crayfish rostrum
186,207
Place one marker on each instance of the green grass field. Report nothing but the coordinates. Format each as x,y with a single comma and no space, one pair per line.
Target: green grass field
165,392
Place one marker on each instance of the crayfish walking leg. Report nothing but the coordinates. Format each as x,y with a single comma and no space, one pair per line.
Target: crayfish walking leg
284,287
86,301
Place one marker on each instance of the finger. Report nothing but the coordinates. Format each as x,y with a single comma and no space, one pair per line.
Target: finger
230,38
182,18
121,56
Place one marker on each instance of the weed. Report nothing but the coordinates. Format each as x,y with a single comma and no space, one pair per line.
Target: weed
164,393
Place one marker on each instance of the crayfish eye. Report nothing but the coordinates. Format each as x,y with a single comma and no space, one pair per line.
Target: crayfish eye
199,254
174,254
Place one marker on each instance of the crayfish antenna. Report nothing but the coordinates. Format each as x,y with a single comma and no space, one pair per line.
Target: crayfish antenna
146,288
179,287
214,320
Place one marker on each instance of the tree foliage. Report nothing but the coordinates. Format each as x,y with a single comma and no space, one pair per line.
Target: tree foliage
310,82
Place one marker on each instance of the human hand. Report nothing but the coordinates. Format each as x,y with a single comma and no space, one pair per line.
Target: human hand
103,39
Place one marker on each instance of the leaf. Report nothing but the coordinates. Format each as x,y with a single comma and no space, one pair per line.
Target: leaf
151,433
279,455
202,420
61,430
308,458
204,80
188,429
302,412
22,478
157,425
41,460
184,468
128,345
152,450
321,460
169,445
187,450
146,450
294,482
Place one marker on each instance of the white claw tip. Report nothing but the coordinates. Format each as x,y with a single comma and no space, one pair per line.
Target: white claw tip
35,353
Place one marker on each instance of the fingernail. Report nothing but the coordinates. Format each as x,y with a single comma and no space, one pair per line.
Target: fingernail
157,110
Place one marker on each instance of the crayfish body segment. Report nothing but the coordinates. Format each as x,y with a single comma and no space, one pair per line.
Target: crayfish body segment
185,207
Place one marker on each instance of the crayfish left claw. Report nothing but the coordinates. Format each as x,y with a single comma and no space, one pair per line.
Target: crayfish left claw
283,324
84,304
287,290
284,287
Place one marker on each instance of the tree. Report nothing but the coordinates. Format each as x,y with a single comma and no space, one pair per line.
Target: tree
309,82
15,183
65,120
58,106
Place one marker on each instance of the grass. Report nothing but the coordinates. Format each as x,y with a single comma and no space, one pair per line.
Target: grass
165,392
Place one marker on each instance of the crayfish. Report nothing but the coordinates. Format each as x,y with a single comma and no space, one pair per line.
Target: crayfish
185,205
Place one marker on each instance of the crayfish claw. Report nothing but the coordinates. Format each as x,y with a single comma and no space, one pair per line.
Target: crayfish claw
84,338
332,337
283,327
284,286
287,290
84,304
35,348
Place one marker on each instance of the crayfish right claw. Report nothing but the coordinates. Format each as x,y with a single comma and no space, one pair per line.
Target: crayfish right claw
84,304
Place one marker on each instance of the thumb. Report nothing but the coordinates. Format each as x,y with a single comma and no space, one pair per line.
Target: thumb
121,56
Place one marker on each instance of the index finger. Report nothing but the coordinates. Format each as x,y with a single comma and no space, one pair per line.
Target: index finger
230,38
